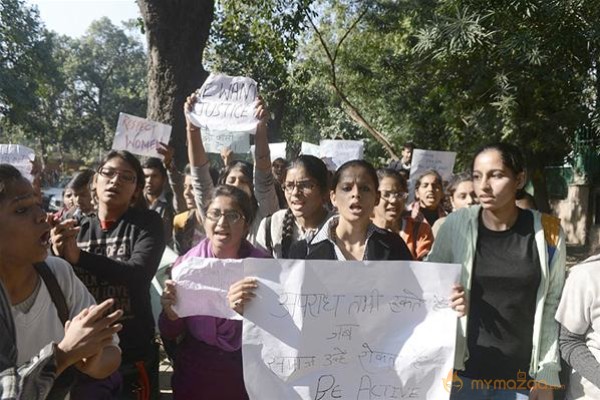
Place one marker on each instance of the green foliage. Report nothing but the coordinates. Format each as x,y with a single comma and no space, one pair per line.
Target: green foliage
64,95
24,57
105,71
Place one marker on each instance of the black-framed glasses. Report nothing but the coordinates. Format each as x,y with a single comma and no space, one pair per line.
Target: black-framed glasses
302,186
125,176
231,216
389,195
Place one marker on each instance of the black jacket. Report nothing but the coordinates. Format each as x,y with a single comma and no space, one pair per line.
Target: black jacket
120,263
382,245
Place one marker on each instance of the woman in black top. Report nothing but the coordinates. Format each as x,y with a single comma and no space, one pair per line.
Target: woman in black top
116,254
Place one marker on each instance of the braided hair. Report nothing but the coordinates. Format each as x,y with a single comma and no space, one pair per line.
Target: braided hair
316,169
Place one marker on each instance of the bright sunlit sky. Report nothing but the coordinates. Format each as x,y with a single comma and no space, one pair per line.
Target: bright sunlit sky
72,17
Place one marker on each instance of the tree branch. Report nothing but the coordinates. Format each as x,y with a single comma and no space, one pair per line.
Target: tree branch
350,109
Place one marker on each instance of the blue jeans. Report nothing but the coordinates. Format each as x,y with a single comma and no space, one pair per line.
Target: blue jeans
480,390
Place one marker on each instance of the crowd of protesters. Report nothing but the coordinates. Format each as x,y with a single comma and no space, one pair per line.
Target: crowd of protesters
75,304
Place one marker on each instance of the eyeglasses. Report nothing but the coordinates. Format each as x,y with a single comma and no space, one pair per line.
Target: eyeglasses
231,216
388,196
302,186
125,176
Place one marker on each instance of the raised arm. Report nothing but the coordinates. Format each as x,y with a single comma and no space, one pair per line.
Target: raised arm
196,152
264,181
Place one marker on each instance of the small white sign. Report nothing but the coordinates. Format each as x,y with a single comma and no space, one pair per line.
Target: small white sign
277,150
336,152
310,149
140,136
425,160
214,142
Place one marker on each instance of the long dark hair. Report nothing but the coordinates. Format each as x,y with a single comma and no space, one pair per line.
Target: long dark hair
8,176
512,158
317,170
351,164
139,202
392,173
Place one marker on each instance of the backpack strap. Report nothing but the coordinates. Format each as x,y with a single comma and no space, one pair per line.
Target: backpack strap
268,237
551,226
56,294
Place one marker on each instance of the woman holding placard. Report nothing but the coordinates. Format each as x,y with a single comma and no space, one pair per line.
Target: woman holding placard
306,189
259,184
208,358
513,269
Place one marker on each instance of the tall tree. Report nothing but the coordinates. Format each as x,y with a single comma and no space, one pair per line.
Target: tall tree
177,32
104,71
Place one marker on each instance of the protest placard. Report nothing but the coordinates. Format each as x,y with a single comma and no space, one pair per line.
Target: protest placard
349,330
19,157
310,149
140,136
336,152
202,286
214,142
225,104
424,160
277,150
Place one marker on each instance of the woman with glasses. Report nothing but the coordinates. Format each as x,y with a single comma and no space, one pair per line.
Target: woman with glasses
351,235
259,184
306,191
208,359
116,254
390,214
429,193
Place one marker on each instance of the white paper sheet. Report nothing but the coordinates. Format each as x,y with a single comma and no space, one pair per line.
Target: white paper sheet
226,104
18,156
349,330
140,136
336,152
277,150
202,285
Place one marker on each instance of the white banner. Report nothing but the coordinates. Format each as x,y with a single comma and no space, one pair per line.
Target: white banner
336,152
349,330
19,157
140,136
226,104
214,142
202,286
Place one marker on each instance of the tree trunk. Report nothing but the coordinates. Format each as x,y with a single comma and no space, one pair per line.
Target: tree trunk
177,32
